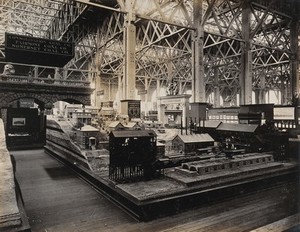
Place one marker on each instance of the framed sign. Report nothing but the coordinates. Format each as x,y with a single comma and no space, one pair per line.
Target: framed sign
18,121
284,113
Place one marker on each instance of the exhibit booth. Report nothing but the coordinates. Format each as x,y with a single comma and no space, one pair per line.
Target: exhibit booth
173,110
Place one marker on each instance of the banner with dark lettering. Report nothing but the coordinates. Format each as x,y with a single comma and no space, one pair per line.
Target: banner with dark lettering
40,51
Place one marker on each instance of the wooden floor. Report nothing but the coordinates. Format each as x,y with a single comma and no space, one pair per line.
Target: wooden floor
291,223
57,200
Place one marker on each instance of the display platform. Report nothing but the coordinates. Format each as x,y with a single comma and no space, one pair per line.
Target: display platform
177,191
180,182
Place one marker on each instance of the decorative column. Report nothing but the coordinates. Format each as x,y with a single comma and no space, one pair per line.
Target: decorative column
198,86
246,59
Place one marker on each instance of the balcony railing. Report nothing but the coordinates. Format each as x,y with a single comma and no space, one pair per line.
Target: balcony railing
44,75
42,81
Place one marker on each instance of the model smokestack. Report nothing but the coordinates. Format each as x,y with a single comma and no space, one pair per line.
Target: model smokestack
186,123
191,123
181,126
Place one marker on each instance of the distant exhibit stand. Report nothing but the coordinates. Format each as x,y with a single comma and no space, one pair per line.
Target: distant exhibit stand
173,109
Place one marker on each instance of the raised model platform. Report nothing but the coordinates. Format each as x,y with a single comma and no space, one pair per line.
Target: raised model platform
187,186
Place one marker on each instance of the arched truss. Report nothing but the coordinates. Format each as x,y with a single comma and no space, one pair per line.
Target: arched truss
164,38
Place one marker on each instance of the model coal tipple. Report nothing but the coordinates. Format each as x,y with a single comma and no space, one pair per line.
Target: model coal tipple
132,154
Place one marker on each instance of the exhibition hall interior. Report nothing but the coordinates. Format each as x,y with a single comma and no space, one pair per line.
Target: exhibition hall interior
149,115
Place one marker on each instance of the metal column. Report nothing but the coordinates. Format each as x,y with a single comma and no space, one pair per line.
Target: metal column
129,45
294,65
294,58
216,88
246,72
198,86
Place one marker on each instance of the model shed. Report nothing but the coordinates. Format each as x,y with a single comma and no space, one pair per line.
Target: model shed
191,142
116,125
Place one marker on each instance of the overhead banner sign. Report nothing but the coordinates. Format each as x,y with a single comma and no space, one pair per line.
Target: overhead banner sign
33,50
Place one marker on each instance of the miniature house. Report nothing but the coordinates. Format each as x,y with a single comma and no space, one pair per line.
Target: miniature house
190,143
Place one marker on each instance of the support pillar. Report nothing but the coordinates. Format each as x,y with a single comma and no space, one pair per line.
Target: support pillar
256,94
180,89
98,90
283,90
109,90
56,73
235,98
260,93
95,66
246,59
129,48
158,96
146,95
262,96
120,91
65,74
36,72
216,88
294,57
295,88
198,85
262,90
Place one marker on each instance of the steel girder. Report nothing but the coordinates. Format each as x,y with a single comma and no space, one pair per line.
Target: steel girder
159,35
175,12
164,37
270,42
166,33
156,51
61,27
